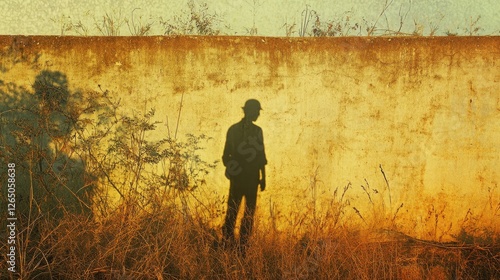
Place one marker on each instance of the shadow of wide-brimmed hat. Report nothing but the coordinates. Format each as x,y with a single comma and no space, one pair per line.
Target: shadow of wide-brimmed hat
252,104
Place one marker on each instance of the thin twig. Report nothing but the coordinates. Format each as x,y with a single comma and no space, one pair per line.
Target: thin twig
386,6
388,187
179,116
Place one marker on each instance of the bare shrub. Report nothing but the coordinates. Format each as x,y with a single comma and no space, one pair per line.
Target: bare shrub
197,21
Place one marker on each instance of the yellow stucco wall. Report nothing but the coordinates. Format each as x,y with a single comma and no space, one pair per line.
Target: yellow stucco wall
425,109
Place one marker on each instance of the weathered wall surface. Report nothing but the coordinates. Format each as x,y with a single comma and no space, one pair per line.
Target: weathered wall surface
425,109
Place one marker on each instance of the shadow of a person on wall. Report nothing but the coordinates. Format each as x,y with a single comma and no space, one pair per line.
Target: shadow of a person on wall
245,159
35,135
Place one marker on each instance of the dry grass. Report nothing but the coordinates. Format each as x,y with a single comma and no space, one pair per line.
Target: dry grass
165,245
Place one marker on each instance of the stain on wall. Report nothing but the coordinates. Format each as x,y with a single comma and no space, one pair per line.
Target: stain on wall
423,112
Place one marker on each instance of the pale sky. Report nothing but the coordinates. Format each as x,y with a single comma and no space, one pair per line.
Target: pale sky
46,17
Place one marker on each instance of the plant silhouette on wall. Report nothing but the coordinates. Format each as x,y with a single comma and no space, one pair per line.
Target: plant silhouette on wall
37,135
77,152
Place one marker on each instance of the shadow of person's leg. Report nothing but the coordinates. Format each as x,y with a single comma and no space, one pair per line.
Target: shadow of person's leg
247,221
233,204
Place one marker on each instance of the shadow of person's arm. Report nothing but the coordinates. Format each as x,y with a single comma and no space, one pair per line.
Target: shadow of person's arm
263,178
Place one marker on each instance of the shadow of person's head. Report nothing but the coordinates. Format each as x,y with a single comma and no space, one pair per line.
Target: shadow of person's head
252,109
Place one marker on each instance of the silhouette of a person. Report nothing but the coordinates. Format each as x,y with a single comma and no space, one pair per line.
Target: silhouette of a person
245,159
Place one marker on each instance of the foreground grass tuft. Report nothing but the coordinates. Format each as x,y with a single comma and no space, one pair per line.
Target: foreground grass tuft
165,245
